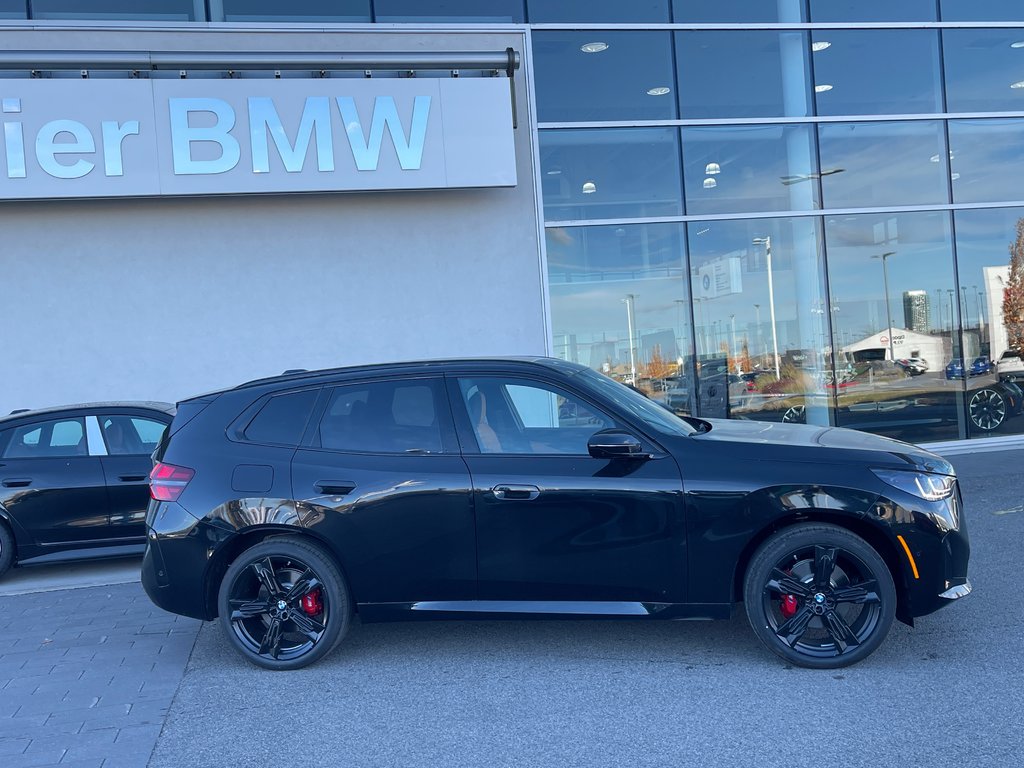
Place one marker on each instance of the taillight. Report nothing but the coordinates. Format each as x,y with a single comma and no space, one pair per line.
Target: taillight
166,481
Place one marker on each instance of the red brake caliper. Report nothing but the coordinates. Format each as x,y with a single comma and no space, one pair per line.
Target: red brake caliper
312,603
789,605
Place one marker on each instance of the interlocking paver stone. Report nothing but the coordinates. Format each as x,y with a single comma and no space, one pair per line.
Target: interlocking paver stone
87,676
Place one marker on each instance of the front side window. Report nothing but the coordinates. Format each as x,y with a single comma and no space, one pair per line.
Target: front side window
383,417
48,439
526,417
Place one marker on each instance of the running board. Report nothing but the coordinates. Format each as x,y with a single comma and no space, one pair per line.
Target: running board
540,609
562,607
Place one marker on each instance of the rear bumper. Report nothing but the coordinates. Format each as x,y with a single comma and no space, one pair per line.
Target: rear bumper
178,548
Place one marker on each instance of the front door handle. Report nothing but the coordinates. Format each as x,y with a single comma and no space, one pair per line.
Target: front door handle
18,482
509,492
131,478
335,487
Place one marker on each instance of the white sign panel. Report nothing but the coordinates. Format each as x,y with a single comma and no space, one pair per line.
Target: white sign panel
131,138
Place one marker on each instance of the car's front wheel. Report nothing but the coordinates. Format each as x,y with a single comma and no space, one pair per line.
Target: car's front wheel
284,604
819,596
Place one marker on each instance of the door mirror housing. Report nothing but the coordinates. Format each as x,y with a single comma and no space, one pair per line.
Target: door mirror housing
615,444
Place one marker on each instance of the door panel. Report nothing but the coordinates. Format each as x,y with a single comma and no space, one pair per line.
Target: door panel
595,530
127,479
554,523
393,494
58,500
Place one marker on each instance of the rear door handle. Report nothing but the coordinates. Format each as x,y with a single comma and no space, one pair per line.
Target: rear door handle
131,478
509,492
18,482
335,487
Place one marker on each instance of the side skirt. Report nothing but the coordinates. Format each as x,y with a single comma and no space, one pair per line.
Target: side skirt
539,609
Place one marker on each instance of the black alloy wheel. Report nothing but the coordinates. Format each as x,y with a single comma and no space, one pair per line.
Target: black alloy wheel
6,549
819,596
284,604
987,409
795,414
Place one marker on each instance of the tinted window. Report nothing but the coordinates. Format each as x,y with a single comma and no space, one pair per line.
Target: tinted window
454,10
299,10
739,168
12,9
48,439
873,10
383,417
603,75
130,435
982,10
610,172
984,69
283,419
985,158
163,10
737,11
876,71
597,11
516,416
743,74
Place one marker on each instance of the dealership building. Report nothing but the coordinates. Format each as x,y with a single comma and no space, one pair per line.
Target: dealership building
194,193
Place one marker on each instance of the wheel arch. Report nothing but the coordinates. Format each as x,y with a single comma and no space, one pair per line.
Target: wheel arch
872,534
247,538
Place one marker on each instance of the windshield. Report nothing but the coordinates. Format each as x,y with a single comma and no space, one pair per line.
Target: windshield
638,405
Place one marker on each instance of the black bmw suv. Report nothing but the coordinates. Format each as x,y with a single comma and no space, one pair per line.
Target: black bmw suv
535,487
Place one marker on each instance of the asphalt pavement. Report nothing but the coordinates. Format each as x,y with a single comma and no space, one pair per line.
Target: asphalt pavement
593,693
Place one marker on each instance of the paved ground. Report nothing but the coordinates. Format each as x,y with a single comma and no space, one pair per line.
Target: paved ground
50,578
527,693
87,676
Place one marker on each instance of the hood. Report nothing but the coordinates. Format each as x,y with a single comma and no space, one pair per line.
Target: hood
799,442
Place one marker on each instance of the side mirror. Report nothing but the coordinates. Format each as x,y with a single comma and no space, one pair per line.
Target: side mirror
615,444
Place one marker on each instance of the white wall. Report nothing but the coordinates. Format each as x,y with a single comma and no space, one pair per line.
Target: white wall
165,298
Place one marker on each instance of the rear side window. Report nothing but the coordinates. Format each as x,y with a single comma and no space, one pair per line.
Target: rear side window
48,439
282,419
130,435
383,417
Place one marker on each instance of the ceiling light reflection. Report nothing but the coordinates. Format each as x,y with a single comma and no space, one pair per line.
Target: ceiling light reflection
710,183
712,168
589,188
595,47
822,88
659,91
820,45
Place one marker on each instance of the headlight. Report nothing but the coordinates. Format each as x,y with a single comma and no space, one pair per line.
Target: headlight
920,484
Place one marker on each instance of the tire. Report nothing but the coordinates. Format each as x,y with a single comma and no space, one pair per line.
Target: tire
987,409
6,548
261,604
819,596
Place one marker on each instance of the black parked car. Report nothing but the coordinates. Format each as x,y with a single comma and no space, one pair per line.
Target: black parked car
74,480
535,487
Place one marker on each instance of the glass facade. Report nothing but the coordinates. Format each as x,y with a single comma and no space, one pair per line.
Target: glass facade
785,210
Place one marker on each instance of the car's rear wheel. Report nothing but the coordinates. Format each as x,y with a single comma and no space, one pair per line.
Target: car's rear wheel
987,409
284,604
6,549
819,596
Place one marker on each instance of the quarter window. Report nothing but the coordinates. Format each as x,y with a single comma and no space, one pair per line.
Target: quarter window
48,439
383,417
282,420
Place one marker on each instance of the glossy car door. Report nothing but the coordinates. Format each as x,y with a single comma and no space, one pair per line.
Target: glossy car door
553,523
50,484
128,439
381,467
